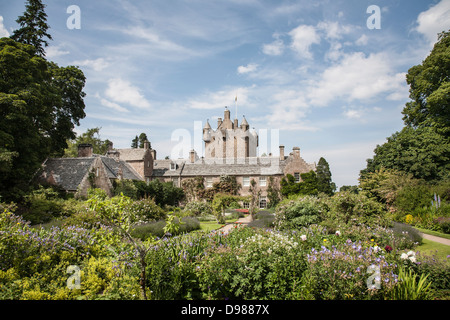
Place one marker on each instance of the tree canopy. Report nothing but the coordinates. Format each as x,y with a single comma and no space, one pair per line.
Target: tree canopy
324,182
91,136
40,102
33,27
422,147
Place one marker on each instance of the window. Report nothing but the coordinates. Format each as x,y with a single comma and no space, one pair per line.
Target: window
175,182
246,205
246,181
262,181
297,177
173,166
262,202
209,182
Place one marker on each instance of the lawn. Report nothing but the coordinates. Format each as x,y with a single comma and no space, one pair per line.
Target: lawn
429,247
213,225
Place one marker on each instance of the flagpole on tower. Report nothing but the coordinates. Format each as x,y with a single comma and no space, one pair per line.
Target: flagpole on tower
235,105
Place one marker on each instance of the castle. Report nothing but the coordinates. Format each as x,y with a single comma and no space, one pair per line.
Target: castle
230,150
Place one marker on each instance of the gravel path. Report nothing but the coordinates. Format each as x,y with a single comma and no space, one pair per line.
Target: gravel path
435,239
228,227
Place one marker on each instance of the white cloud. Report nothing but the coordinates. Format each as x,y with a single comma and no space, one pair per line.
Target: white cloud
357,77
362,41
333,29
302,38
288,111
55,51
123,91
346,160
3,31
246,69
97,64
434,20
221,98
157,41
353,114
275,48
112,105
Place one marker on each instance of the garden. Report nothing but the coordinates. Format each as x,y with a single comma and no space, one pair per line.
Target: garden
347,246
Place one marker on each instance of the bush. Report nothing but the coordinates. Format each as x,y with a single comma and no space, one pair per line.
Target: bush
147,210
294,214
198,208
351,208
156,229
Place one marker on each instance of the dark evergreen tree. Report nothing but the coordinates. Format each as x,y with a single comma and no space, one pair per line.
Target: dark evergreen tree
33,27
324,182
134,142
142,139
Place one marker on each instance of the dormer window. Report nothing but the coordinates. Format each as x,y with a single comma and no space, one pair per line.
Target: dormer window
173,166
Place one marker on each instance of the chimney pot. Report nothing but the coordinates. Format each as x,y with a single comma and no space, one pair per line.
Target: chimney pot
85,150
281,152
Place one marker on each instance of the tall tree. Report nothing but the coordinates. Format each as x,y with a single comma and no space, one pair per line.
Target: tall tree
33,27
40,103
422,147
324,182
142,139
91,136
430,89
135,142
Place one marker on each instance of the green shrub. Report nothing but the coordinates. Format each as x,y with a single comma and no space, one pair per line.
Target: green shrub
198,208
156,228
351,208
294,214
147,210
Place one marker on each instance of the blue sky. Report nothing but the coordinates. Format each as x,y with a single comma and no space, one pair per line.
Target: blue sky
311,71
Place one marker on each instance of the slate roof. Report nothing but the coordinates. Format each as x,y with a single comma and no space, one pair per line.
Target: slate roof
216,167
67,172
112,169
132,154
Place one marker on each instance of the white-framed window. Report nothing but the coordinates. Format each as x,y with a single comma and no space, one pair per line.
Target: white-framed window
173,166
262,202
246,181
209,182
297,176
175,182
262,181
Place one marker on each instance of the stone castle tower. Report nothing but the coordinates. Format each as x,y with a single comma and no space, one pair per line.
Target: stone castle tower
229,140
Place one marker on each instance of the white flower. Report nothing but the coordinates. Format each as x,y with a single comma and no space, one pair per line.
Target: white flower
412,259
411,254
338,233
303,237
404,256
376,248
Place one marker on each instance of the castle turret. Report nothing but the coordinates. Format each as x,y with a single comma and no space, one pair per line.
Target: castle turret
244,124
207,132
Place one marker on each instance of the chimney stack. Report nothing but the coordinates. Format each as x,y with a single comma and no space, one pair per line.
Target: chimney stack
85,150
281,152
192,156
219,122
296,151
146,145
